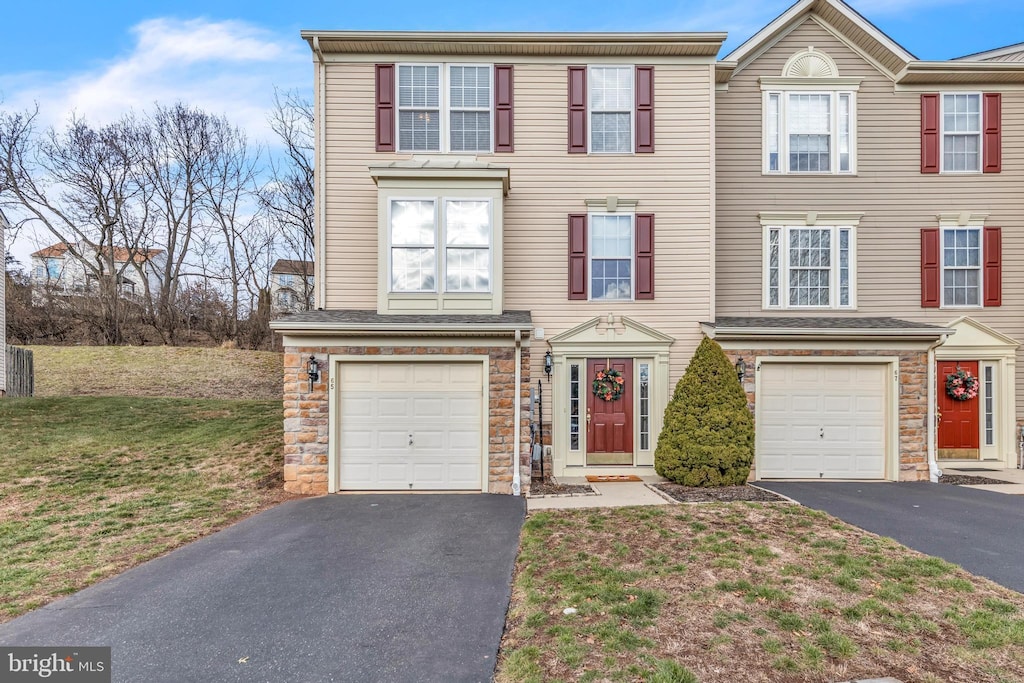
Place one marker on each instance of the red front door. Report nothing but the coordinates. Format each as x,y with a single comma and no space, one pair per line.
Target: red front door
610,423
959,421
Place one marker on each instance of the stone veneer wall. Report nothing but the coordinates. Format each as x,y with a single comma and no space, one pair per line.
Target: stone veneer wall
306,414
913,400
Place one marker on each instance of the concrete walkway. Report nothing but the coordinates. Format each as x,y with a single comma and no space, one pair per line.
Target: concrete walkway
609,495
1014,476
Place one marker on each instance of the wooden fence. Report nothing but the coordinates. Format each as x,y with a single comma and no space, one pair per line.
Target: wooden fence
20,372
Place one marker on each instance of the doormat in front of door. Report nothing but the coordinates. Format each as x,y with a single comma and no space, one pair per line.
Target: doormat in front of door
612,477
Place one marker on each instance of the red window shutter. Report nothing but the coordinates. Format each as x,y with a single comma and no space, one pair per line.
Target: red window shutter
992,247
645,256
931,295
504,138
930,133
385,88
645,110
577,256
992,142
577,110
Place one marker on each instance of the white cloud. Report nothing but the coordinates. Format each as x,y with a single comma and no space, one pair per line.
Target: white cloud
225,67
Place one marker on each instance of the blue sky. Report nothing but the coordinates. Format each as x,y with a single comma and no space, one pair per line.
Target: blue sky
100,59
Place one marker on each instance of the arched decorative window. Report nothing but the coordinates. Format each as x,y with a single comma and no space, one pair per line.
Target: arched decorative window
810,117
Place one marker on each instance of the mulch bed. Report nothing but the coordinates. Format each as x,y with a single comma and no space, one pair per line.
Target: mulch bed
700,494
968,480
550,488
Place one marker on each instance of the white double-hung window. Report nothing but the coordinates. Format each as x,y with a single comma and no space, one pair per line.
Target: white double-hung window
445,107
961,266
809,267
440,242
611,256
809,132
611,109
961,132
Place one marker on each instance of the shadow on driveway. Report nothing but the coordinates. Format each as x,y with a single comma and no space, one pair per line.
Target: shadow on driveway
337,588
981,531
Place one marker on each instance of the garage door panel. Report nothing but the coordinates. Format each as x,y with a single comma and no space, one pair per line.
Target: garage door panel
438,404
821,420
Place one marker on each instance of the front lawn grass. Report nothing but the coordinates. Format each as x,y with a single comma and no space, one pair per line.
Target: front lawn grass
91,486
746,592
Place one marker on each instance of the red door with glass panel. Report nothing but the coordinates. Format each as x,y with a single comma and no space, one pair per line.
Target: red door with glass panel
959,421
610,422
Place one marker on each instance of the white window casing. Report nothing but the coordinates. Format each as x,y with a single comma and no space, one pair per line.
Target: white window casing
611,109
612,261
440,244
809,131
809,267
962,268
445,108
960,121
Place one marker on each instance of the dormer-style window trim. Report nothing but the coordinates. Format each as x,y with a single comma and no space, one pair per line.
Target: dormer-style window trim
809,115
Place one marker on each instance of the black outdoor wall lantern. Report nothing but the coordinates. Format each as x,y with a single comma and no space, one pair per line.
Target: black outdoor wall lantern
741,369
313,371
548,364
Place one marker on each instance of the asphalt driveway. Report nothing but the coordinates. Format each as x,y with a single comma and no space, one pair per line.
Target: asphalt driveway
336,588
981,531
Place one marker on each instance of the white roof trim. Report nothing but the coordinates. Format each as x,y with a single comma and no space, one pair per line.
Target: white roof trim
786,21
991,54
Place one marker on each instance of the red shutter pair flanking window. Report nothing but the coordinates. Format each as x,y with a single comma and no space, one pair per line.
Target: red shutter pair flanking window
991,133
504,133
643,114
931,269
643,261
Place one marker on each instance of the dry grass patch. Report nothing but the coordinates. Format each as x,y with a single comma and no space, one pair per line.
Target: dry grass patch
178,371
746,592
92,486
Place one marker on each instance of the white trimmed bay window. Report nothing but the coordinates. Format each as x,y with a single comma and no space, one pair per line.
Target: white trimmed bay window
809,266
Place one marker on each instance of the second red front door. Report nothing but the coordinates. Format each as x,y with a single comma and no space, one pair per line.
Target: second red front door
959,422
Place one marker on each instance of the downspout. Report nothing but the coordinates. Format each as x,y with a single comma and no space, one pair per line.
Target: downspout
319,177
516,407
933,467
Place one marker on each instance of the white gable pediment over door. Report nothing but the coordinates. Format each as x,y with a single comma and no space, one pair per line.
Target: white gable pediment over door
612,334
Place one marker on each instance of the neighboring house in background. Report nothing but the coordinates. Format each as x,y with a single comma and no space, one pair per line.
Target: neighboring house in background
54,269
836,213
4,226
291,286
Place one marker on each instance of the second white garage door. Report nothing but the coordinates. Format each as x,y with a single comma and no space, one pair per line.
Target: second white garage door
410,426
821,421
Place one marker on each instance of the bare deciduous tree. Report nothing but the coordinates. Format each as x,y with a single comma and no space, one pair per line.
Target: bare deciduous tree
288,197
77,184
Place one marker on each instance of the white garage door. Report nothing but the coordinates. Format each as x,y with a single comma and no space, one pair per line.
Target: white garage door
410,426
821,421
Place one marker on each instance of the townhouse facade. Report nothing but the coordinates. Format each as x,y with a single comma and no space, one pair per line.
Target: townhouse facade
512,225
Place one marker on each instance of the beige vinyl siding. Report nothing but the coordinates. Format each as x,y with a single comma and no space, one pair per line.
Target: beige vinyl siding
897,200
547,184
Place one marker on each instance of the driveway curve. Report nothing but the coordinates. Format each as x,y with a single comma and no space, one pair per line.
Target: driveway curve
336,588
982,531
